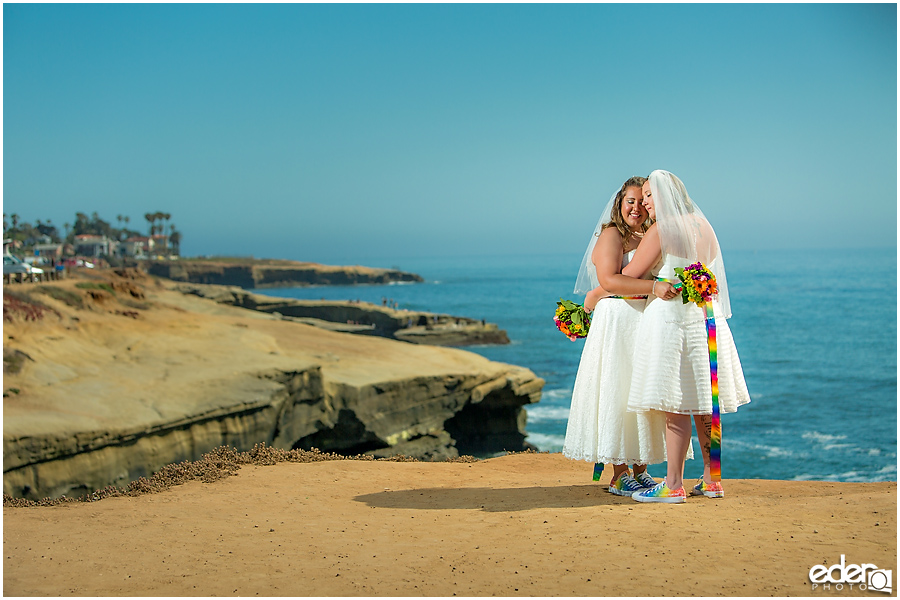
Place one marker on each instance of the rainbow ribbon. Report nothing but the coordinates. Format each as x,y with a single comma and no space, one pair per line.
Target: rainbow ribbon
644,297
715,433
598,468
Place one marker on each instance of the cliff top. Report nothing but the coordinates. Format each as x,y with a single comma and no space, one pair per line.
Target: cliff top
116,353
521,525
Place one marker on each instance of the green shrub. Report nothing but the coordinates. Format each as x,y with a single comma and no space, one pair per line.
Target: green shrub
95,286
68,297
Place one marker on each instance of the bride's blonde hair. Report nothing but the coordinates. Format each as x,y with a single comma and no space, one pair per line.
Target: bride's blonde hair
616,215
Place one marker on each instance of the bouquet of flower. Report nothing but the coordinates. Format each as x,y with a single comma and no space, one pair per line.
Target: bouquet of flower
572,319
699,284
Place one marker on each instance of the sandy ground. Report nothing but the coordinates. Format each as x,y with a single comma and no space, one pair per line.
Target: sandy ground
520,525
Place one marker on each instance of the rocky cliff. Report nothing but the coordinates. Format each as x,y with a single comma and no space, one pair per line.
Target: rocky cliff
251,273
112,380
417,327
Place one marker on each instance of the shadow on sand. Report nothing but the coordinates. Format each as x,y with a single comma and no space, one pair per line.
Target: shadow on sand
495,499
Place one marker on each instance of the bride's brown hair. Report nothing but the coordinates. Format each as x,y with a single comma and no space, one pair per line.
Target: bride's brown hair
617,221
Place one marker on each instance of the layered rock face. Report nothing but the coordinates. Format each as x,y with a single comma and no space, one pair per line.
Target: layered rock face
250,273
417,327
111,388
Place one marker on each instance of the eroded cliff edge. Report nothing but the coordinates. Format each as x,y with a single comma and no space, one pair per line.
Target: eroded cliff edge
417,327
263,273
108,383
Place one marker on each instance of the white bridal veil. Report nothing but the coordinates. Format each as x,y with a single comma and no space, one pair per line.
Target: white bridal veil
587,274
685,233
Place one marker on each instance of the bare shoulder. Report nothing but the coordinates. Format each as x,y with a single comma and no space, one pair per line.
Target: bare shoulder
609,244
610,235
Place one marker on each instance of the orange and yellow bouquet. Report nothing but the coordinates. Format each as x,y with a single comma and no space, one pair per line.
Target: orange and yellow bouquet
699,284
572,319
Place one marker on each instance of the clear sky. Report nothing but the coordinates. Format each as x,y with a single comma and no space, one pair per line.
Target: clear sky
338,133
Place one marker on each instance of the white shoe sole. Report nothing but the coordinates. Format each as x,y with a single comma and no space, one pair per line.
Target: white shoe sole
675,500
708,494
618,492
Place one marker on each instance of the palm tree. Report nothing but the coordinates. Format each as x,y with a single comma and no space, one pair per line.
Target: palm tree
176,241
150,219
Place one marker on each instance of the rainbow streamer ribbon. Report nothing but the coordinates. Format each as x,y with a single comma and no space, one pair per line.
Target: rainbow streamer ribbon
715,433
644,297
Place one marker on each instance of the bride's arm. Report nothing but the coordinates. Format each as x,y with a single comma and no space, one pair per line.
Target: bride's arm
607,257
648,252
593,297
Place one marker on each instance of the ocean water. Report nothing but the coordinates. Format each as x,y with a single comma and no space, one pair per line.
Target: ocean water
816,331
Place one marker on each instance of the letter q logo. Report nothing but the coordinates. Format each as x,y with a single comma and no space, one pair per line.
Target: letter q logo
880,581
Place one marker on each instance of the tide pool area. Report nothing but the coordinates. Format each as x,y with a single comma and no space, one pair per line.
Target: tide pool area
816,331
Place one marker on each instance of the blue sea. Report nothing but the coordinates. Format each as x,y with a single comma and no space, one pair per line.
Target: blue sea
816,331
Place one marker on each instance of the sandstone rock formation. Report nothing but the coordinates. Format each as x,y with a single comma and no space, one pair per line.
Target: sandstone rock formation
417,327
252,273
110,381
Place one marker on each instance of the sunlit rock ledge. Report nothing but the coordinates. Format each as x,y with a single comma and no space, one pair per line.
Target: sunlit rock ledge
365,318
263,273
112,380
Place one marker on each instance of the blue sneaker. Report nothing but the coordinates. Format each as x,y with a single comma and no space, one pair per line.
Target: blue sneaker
645,480
625,485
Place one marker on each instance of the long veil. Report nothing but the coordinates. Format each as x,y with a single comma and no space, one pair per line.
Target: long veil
684,232
587,273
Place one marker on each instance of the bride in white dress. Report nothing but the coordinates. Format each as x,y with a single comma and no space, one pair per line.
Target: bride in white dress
671,375
600,429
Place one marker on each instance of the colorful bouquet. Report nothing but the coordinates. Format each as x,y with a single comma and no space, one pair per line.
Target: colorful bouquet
572,319
699,284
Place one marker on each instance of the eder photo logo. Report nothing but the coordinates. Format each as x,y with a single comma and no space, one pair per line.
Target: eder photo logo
861,577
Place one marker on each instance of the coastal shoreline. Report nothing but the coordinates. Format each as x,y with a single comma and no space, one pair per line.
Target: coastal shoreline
363,318
531,524
112,376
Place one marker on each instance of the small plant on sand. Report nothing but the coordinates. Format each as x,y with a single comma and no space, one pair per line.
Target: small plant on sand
89,285
67,297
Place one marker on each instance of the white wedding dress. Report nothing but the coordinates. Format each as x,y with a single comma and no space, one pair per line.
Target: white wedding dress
600,429
672,371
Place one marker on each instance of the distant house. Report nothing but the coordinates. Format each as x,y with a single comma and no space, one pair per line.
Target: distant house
49,251
136,246
39,239
94,245
161,243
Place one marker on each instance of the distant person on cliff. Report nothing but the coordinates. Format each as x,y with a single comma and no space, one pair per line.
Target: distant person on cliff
600,429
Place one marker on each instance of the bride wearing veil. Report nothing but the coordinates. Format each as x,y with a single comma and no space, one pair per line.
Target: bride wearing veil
671,374
600,429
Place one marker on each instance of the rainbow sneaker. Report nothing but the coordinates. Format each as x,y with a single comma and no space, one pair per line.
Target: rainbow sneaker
625,485
710,490
661,493
645,480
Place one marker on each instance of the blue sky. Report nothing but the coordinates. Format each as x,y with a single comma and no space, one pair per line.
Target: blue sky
341,133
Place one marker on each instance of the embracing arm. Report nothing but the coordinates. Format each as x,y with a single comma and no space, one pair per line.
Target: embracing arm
607,257
648,252
594,296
